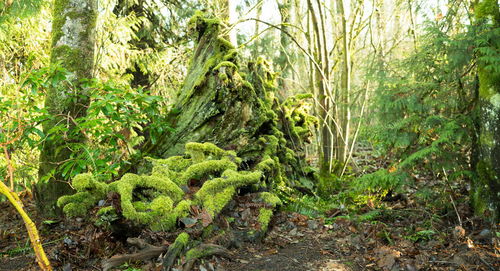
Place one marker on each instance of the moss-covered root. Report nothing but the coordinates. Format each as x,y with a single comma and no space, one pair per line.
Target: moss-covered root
202,251
89,192
174,250
266,213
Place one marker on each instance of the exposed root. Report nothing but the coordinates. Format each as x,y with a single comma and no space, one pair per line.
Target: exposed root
174,250
148,252
202,251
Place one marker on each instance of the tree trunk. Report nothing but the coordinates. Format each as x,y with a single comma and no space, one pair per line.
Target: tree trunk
486,187
73,30
218,105
285,9
345,89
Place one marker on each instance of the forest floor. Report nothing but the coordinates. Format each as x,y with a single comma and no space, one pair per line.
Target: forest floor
395,240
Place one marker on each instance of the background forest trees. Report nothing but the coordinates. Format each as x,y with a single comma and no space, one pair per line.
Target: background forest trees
173,116
412,81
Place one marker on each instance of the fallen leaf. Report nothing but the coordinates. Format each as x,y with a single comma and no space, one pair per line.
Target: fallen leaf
188,221
271,251
206,218
386,257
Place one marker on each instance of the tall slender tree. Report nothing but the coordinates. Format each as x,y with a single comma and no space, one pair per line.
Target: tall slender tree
486,187
285,9
73,30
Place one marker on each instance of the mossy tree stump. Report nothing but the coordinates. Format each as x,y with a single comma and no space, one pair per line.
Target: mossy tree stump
230,135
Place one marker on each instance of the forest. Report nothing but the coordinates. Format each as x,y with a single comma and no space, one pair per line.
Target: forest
249,135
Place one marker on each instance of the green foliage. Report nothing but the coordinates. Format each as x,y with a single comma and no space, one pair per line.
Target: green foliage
374,186
312,206
22,9
138,42
423,235
423,108
117,121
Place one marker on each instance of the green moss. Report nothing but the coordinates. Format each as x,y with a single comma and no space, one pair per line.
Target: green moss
198,253
264,218
267,164
484,191
248,85
202,169
198,151
231,55
172,167
74,58
77,204
106,210
200,23
158,212
89,192
174,163
182,238
223,77
225,64
270,199
216,193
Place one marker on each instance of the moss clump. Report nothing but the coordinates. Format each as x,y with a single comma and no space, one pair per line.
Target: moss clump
197,171
270,199
264,218
89,192
217,192
266,213
157,212
200,252
182,239
77,204
158,201
225,64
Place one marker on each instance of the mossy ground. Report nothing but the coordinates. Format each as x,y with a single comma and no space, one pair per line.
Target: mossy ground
157,201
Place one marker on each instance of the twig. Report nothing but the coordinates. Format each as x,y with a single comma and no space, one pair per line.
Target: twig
451,198
487,264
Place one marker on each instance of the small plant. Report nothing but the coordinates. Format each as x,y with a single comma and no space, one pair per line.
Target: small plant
423,235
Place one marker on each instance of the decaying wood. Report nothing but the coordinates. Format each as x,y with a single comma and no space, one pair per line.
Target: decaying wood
209,250
174,250
147,252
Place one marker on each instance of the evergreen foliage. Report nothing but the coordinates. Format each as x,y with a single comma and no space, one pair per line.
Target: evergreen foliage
424,109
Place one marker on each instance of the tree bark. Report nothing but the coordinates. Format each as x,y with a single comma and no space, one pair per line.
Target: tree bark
73,31
233,110
486,186
285,9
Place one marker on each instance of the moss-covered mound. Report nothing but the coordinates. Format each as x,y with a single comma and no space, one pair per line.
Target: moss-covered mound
207,177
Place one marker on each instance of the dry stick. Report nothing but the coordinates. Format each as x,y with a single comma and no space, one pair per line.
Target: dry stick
356,133
451,198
